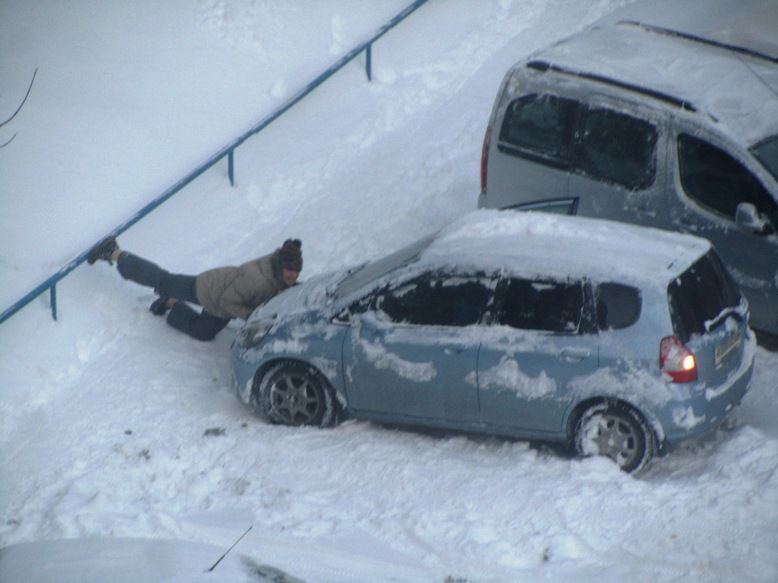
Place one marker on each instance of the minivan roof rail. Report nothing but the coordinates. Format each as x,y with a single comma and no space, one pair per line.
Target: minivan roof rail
702,40
544,66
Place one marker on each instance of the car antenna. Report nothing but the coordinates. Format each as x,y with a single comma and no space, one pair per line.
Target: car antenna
228,550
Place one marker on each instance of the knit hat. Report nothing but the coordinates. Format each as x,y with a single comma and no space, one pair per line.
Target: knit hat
290,255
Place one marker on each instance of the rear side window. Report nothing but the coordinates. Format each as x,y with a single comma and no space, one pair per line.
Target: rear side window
617,148
541,305
717,181
618,306
434,300
700,294
539,125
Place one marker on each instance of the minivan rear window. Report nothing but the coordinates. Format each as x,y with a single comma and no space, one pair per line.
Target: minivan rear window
700,294
539,125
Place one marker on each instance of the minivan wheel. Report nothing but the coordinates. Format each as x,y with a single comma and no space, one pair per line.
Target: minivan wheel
617,432
292,393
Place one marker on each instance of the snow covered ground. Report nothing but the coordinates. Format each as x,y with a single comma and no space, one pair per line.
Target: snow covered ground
116,427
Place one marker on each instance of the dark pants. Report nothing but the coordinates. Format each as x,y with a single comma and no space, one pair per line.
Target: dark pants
202,326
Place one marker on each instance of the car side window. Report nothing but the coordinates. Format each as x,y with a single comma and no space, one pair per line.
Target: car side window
614,147
541,305
436,300
618,306
539,125
718,182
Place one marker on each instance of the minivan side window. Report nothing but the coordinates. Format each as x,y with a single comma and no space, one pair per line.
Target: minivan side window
718,182
436,300
617,148
541,305
539,125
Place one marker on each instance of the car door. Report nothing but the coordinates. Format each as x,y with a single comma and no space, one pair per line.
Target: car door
540,342
617,160
710,185
412,352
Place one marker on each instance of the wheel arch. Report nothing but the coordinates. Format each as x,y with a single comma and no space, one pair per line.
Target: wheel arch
580,408
266,367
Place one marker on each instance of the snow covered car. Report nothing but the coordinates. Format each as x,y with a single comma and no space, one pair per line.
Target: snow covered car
618,339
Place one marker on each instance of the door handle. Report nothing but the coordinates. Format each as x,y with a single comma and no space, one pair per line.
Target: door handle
574,354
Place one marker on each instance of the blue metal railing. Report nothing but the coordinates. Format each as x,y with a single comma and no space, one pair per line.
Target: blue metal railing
228,151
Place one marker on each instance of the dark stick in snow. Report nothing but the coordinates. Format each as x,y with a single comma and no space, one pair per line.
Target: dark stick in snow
229,549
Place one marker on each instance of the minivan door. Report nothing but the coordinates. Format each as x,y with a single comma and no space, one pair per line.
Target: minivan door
711,185
617,162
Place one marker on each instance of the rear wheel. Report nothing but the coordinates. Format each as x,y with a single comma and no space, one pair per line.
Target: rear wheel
617,432
292,393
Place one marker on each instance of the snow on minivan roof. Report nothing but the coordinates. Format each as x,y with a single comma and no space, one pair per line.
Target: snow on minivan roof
732,90
566,246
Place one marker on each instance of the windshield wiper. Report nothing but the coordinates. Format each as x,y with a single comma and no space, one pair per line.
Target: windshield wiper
738,311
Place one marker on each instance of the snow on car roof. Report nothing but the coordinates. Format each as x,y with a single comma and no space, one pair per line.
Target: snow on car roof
744,23
566,246
735,90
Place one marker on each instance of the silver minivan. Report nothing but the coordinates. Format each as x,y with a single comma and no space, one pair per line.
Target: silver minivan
633,121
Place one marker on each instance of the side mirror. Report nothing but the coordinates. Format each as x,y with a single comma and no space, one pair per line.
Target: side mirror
747,217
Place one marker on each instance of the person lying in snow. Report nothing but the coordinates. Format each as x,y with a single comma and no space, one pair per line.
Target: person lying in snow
224,292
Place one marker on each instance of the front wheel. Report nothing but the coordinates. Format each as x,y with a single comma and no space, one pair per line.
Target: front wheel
617,432
292,393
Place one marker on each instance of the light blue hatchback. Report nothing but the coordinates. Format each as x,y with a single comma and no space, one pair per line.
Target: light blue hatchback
617,339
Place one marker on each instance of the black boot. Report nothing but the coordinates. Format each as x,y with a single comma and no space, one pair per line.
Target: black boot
159,306
103,251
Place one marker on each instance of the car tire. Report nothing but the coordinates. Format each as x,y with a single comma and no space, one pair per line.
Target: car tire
293,393
617,432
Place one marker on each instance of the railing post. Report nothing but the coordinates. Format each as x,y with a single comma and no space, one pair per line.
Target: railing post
231,166
53,301
369,61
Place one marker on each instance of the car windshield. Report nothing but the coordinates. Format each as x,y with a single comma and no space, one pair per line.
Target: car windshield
766,152
374,270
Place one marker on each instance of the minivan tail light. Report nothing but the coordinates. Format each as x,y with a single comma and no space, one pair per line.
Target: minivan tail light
485,157
677,361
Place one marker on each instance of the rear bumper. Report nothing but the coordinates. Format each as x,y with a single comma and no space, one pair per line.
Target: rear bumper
703,409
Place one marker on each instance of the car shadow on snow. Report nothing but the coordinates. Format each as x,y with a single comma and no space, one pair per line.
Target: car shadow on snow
543,450
691,458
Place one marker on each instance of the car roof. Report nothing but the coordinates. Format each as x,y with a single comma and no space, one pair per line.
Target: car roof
561,246
734,87
749,24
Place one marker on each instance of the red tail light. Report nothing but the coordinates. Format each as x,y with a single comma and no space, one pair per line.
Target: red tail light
485,157
677,361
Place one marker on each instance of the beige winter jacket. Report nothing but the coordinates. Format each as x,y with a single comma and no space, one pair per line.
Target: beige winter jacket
234,292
